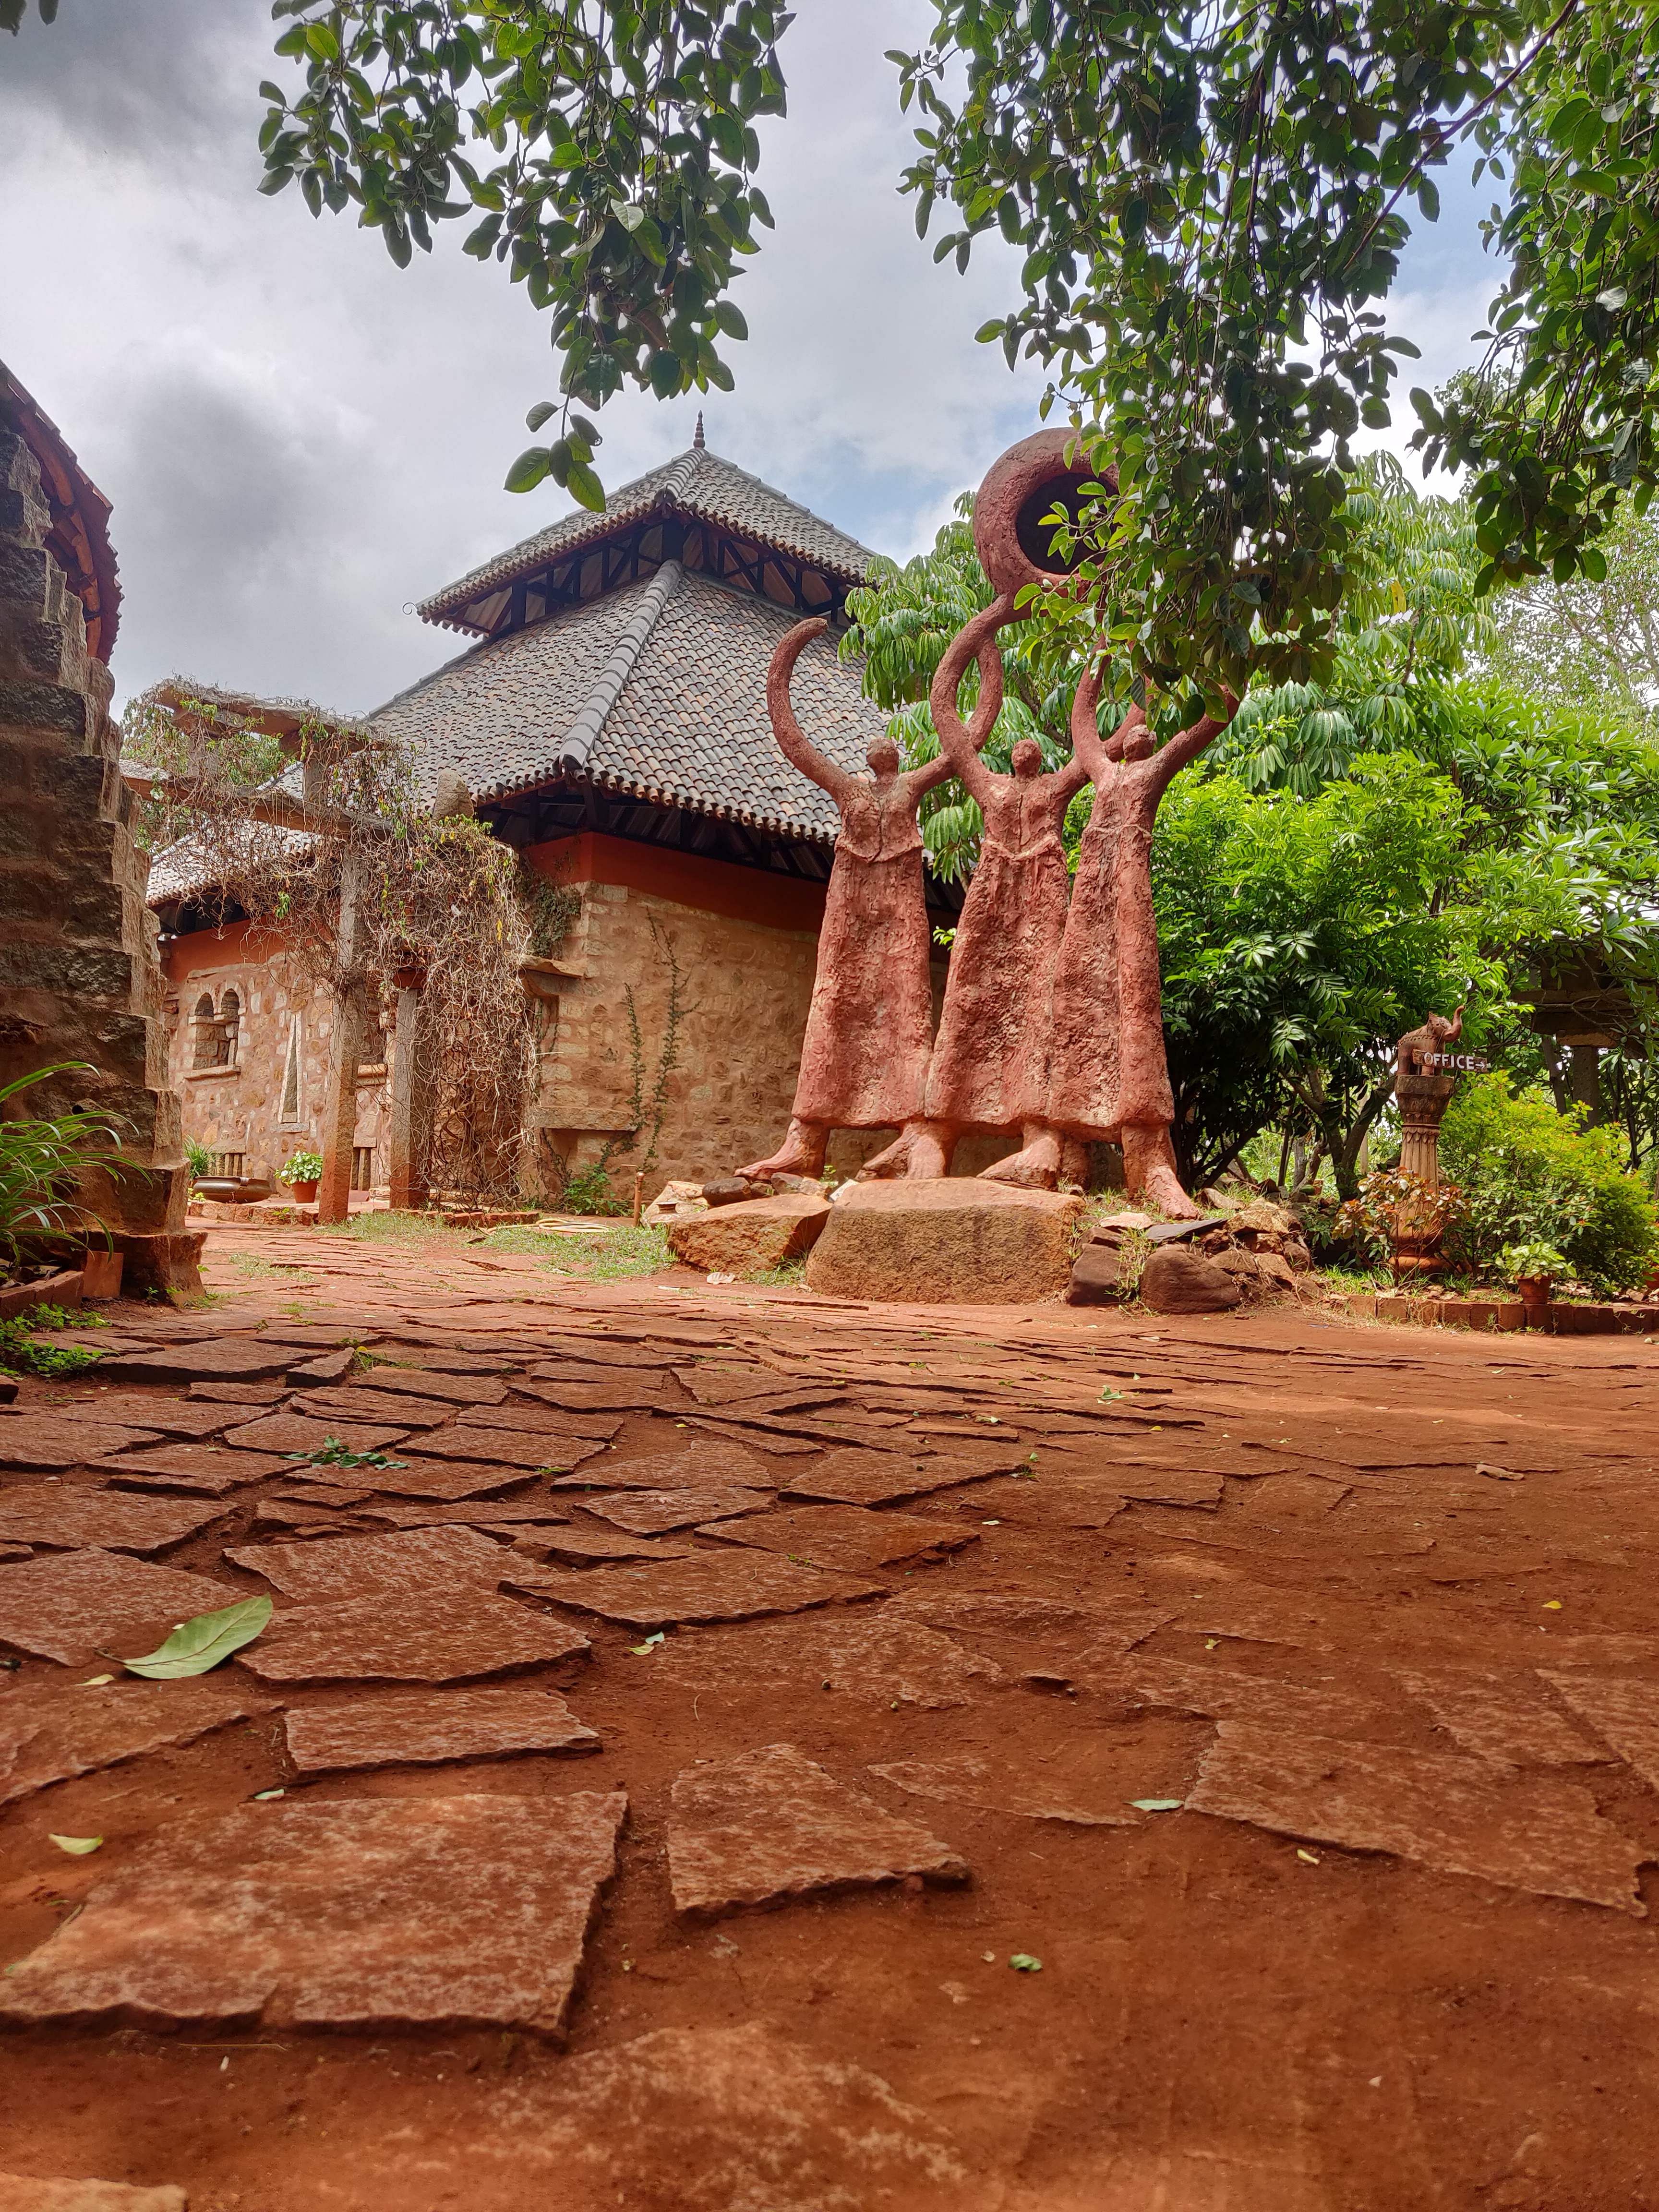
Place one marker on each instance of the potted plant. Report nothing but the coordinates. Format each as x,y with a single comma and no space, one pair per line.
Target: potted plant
302,1174
1532,1267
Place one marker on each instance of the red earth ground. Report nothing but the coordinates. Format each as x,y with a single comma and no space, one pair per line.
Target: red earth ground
1370,1613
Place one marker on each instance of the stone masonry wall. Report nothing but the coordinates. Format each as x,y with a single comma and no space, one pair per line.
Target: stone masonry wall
742,994
241,1108
79,976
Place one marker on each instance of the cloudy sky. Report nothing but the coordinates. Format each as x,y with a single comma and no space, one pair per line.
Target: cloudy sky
300,440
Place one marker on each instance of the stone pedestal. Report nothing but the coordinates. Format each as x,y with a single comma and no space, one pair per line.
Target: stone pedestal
756,1234
79,976
954,1242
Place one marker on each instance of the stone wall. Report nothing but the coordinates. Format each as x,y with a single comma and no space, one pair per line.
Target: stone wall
266,1103
79,977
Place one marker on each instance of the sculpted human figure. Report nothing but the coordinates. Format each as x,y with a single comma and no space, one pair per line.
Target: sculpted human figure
1109,1074
869,1030
987,1068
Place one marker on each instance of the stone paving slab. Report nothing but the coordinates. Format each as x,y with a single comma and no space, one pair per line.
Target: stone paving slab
194,1467
707,2119
695,1468
531,1453
592,1546
415,1728
1454,1814
854,1477
1624,1713
41,1442
657,1512
300,1433
867,1653
602,1427
442,1481
327,1367
436,1359
237,1393
73,1605
772,1825
220,1359
613,1395
422,1911
711,1586
1505,1717
168,1417
50,1731
1120,1624
480,1513
424,1382
451,1560
1029,1795
351,1404
521,1416
21,2192
850,1538
55,1517
426,1638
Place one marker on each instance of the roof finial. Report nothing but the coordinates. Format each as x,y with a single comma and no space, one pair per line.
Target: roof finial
697,436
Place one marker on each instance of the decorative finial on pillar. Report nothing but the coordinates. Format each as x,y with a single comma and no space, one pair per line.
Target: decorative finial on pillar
697,436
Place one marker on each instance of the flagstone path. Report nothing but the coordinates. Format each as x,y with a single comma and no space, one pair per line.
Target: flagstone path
720,1750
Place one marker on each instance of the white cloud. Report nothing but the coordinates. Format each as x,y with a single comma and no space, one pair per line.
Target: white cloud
301,439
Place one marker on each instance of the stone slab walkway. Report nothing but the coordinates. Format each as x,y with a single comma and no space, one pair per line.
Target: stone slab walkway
720,1750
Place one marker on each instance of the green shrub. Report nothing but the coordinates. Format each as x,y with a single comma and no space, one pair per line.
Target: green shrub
1531,1175
20,1354
197,1158
42,1161
590,1191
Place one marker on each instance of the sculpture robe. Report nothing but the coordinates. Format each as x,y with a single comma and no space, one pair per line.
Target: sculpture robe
990,1061
869,1031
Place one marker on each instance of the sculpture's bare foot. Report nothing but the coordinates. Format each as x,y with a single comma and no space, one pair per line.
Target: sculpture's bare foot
801,1153
1036,1167
1150,1172
921,1152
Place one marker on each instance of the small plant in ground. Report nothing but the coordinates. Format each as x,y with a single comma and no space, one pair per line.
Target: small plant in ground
332,1453
50,1316
42,1161
197,1158
22,1355
1392,1203
590,1191
304,1167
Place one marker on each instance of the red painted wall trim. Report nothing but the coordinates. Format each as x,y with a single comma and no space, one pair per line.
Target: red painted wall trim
237,943
709,886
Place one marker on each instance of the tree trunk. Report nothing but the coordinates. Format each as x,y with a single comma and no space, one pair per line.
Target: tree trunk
412,1097
345,1049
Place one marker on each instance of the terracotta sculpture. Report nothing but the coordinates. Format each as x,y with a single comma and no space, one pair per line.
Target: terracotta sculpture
869,1030
1423,1096
1109,1074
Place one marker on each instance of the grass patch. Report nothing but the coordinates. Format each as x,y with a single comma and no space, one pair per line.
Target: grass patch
616,1253
788,1276
385,1227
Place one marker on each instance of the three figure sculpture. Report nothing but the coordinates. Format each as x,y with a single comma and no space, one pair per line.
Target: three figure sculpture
1052,1024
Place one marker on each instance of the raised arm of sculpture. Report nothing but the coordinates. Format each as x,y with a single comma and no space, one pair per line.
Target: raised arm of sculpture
1099,754
1187,745
959,742
792,741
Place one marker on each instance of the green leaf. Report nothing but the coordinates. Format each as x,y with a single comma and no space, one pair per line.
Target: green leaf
78,1847
1023,1963
542,411
528,470
199,1644
584,487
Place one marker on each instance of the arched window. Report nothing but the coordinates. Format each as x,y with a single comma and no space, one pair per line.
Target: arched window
230,1025
205,1041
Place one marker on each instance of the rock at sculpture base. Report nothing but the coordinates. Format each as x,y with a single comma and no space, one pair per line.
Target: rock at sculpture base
958,1242
1095,1278
754,1234
1176,1281
169,1262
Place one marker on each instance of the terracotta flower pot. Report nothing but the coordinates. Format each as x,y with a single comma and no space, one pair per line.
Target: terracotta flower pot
1534,1300
305,1192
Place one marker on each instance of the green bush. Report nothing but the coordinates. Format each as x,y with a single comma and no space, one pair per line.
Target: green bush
1531,1175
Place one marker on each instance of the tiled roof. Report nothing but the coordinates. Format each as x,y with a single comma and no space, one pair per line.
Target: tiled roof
180,869
657,690
695,483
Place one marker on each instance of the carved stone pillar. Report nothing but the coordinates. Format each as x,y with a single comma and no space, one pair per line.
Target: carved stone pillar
345,1052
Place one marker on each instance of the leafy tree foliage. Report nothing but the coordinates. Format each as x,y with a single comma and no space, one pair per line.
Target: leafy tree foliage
1590,642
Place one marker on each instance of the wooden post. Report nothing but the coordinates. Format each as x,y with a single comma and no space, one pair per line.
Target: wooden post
411,1096
639,1196
345,1048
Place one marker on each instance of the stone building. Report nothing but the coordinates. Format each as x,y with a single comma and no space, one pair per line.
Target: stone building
610,722
80,987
